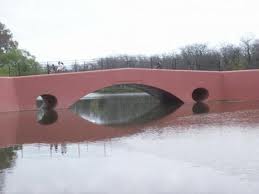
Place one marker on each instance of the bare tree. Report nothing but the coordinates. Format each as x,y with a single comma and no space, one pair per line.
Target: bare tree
246,45
255,53
192,54
231,56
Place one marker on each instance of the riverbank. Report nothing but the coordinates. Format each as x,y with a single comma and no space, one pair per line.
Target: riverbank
118,89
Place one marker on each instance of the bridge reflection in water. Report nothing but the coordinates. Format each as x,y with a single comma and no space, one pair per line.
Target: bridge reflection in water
102,139
123,109
103,118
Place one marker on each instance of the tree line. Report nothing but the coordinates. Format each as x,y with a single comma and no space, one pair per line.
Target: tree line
194,57
245,55
15,61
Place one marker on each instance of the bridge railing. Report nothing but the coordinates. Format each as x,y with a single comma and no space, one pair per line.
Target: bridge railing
90,65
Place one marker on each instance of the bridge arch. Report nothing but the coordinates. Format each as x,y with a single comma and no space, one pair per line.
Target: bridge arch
162,95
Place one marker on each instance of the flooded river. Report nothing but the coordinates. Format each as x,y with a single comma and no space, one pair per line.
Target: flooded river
131,144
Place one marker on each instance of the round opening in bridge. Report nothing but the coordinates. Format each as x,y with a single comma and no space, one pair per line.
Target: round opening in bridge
200,94
46,101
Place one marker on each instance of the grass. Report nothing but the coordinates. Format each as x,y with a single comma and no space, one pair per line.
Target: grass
119,89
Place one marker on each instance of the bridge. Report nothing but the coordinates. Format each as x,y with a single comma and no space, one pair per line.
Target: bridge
62,90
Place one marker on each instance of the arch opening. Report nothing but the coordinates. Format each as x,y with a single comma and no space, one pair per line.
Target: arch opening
160,94
200,94
46,101
126,104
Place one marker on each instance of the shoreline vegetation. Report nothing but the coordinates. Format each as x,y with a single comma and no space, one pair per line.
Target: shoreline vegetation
118,89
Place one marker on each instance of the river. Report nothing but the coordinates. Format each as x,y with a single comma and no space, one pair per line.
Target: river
131,144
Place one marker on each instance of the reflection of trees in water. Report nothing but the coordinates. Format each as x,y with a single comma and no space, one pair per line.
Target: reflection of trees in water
7,160
157,112
122,109
115,109
7,155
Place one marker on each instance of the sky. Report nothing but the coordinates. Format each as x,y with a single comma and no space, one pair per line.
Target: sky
87,29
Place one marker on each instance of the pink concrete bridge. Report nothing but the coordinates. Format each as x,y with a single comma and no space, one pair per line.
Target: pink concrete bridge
63,90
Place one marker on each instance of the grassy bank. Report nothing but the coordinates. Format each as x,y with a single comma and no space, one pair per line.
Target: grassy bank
119,89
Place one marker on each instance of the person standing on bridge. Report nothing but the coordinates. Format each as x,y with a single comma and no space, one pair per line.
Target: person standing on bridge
54,70
48,68
158,65
60,66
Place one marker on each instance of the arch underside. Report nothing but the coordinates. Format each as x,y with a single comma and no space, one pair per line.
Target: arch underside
162,95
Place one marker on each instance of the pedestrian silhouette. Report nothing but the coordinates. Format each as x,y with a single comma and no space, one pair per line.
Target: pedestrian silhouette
158,65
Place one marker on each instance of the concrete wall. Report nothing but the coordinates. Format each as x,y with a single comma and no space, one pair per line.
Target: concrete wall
8,97
241,85
20,93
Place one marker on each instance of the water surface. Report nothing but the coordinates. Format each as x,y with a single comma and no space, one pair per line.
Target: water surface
132,144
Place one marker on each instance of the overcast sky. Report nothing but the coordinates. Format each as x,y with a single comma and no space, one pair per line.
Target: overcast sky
83,29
